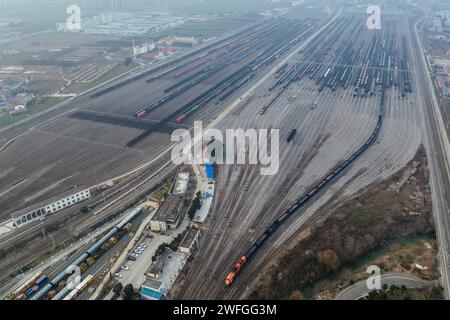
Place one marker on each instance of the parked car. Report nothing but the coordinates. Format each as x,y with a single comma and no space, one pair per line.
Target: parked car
118,275
125,267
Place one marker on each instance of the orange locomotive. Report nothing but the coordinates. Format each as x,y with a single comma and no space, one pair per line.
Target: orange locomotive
237,268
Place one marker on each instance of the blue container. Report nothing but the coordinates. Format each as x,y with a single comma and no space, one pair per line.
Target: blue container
41,280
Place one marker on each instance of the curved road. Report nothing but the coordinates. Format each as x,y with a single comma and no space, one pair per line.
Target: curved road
359,290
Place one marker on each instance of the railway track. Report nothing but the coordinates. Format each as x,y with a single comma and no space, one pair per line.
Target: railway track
349,123
373,53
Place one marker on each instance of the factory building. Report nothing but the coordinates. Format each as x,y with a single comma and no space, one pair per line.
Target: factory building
106,4
169,215
190,241
152,290
162,274
184,41
140,24
157,266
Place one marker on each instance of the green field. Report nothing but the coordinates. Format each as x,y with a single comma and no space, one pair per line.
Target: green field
45,103
7,120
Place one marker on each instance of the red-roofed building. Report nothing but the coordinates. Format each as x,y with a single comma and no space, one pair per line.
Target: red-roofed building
167,50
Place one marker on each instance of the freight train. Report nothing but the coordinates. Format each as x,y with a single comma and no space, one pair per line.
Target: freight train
247,256
265,57
364,79
80,288
196,103
29,288
378,57
243,260
88,253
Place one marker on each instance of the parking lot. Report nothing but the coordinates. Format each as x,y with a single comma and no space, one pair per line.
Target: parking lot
134,272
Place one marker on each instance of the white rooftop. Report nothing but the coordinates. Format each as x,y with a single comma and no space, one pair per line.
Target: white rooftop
181,184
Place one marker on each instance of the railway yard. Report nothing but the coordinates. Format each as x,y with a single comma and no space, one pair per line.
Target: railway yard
351,104
383,66
102,128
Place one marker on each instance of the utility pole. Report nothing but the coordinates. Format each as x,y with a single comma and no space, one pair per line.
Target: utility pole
53,241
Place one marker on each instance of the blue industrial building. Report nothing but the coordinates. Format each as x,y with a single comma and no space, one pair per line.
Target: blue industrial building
209,171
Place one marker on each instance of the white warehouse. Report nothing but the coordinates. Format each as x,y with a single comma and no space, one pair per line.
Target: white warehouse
68,201
21,219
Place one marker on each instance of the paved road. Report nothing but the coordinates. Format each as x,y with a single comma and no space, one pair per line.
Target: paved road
359,290
436,142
